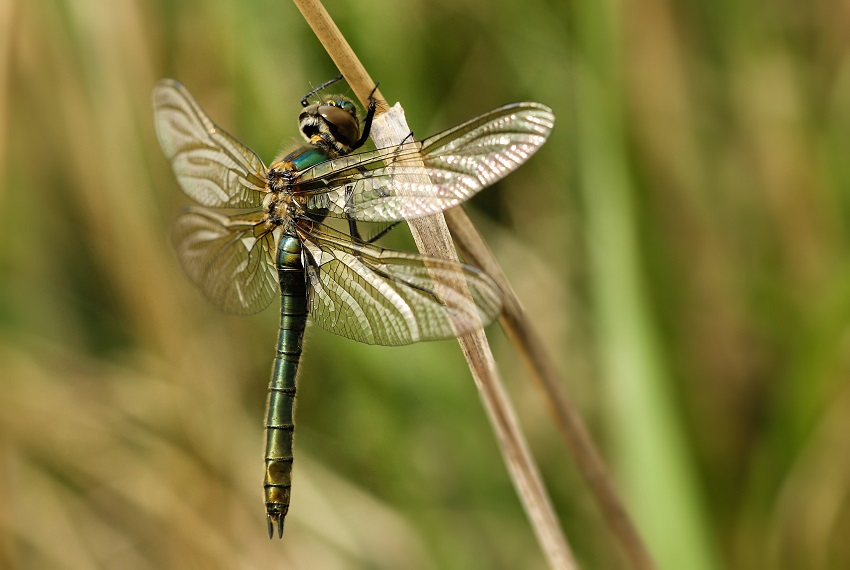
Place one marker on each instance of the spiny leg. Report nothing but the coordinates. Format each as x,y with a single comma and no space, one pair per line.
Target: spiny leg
367,120
382,233
353,230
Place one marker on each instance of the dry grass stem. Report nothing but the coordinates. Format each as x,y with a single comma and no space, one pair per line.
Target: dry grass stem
573,429
432,238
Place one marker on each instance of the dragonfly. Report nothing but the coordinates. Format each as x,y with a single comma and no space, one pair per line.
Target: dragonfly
260,231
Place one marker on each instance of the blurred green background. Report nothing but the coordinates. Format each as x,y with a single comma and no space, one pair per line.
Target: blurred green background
682,242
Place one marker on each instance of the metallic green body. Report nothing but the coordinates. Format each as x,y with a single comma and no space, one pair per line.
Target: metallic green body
280,423
305,157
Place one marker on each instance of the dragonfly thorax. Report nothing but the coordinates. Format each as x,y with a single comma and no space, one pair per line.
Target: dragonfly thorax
278,204
331,125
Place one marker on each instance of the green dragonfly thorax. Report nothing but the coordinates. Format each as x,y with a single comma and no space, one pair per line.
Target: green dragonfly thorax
278,204
301,158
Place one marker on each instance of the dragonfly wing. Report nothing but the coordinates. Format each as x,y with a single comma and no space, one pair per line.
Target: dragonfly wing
212,167
380,296
229,258
387,185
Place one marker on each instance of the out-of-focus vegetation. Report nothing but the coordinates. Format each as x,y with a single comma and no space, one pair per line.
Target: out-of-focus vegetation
683,243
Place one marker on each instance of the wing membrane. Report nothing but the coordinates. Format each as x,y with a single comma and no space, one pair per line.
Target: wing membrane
229,258
379,296
212,167
386,185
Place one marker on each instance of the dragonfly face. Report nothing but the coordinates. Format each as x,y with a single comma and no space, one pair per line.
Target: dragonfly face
259,232
331,125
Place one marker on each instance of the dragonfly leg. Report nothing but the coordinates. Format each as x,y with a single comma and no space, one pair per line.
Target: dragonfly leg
399,146
367,120
382,233
353,230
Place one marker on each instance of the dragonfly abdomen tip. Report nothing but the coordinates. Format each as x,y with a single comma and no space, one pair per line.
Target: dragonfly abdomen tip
272,519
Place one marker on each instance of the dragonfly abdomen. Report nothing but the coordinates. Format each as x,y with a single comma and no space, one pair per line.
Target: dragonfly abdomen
280,423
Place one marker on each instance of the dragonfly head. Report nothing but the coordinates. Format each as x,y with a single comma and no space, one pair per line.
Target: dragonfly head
332,125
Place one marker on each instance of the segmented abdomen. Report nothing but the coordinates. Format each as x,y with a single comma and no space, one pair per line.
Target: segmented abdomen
280,423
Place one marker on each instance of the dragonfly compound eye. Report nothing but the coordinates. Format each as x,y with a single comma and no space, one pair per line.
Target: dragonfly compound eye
341,123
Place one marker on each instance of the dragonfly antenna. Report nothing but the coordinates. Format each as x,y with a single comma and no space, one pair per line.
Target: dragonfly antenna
319,88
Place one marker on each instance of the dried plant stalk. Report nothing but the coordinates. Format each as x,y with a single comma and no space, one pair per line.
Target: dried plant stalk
524,337
433,238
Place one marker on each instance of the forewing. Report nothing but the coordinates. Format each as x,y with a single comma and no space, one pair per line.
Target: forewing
386,297
229,258
387,185
212,167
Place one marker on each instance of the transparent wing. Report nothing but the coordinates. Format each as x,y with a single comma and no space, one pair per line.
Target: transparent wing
380,296
231,259
386,184
212,167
